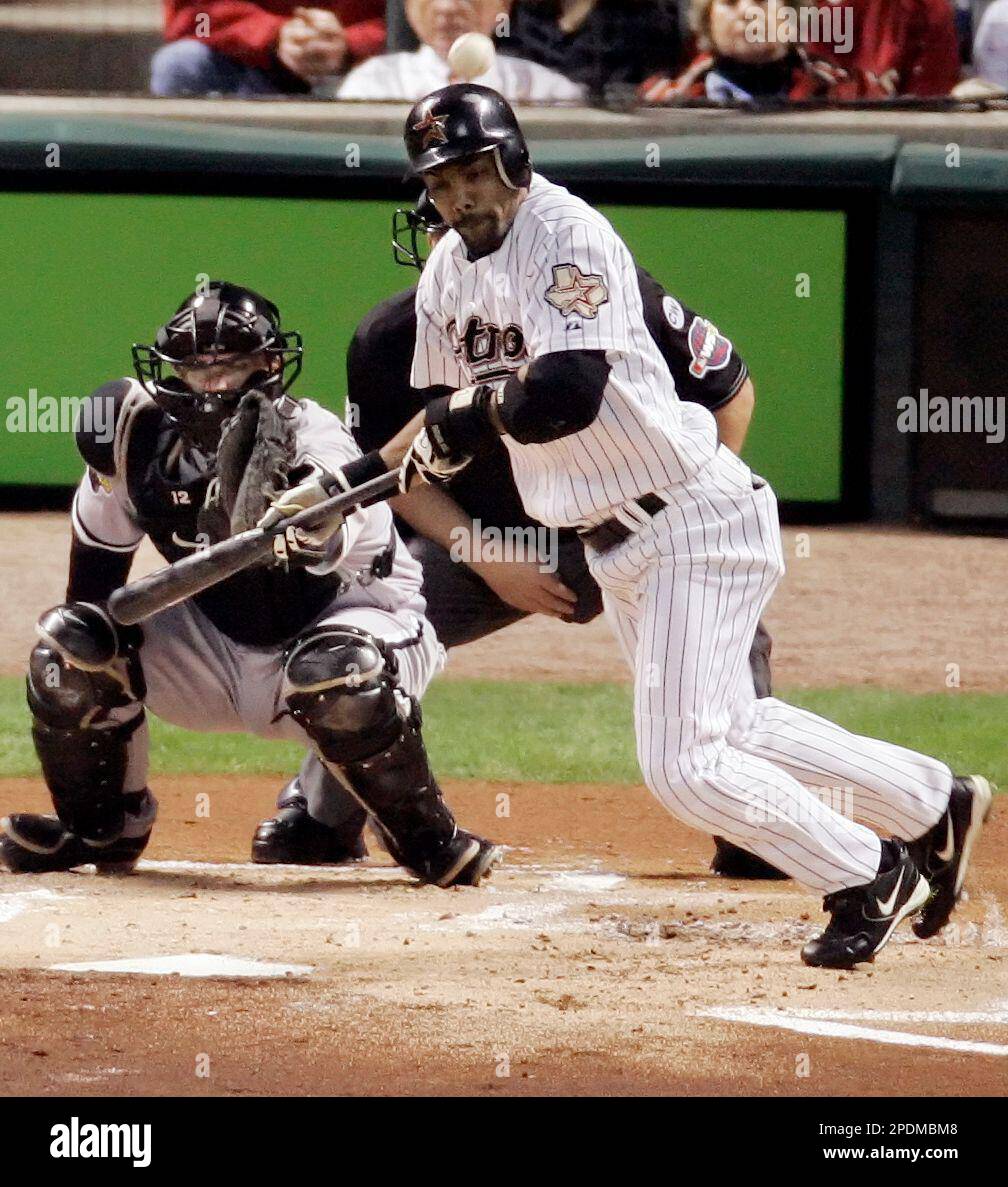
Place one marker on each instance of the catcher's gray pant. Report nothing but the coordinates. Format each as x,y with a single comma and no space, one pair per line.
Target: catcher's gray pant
201,680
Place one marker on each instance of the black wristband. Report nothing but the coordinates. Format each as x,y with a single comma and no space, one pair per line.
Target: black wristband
462,428
357,472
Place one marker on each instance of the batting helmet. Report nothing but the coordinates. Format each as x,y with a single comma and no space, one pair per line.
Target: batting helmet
464,120
222,320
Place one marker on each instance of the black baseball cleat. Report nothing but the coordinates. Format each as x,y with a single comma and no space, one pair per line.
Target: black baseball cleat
292,837
943,853
730,861
465,860
33,844
480,866
864,917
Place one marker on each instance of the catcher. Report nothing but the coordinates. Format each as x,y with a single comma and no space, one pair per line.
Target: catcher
327,645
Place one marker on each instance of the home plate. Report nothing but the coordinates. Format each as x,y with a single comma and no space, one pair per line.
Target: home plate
189,964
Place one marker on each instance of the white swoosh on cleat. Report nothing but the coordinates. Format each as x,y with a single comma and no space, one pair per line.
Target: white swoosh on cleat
946,854
886,907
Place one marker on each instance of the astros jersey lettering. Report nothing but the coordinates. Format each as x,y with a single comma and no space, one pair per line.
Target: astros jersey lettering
564,280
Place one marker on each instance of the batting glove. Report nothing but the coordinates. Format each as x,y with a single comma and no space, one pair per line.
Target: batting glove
314,549
426,462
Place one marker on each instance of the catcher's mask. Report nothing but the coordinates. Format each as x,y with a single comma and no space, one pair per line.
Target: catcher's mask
225,322
410,231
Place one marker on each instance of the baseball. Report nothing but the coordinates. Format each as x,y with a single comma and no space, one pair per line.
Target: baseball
471,55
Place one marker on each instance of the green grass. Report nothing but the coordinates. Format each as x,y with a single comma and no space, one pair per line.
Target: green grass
556,733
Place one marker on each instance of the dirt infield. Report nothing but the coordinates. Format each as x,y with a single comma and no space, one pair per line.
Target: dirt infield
858,606
600,959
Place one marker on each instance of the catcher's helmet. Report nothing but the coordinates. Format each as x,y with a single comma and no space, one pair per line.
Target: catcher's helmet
463,120
223,320
411,227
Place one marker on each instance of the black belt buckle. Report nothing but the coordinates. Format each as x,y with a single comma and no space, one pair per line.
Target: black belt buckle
652,504
611,532
606,535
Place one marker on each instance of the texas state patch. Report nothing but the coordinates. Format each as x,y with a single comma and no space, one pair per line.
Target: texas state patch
574,292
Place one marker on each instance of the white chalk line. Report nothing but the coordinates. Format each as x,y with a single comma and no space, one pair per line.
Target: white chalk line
17,902
778,1019
942,1017
188,964
565,879
337,873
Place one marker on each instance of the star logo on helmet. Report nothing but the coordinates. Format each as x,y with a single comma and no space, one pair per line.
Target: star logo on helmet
574,292
432,130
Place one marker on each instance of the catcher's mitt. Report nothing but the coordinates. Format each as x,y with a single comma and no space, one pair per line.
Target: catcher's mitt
253,463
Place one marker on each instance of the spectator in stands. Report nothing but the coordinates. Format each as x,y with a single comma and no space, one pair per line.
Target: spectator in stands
437,23
733,65
269,47
900,47
603,44
990,49
754,50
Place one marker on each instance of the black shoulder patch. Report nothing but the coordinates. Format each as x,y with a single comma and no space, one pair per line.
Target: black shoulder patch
96,425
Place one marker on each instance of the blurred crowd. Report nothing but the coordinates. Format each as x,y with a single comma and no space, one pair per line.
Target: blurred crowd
647,51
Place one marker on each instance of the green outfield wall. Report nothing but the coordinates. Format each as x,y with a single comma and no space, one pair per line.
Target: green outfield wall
86,274
851,269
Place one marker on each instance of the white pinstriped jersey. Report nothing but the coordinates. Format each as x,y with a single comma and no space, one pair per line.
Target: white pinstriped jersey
563,280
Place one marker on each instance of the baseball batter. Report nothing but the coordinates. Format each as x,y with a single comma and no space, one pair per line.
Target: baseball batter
530,324
328,646
470,598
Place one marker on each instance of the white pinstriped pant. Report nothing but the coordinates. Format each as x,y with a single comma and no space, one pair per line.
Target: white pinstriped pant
683,597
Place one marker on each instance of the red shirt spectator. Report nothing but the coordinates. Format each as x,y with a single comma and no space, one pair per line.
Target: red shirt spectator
901,47
248,32
897,47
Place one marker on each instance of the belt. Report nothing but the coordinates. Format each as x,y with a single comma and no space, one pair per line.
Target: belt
611,532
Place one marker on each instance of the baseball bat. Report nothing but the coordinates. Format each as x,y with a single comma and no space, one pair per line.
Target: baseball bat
192,574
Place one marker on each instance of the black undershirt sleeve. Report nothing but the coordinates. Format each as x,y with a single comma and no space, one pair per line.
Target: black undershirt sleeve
95,572
561,395
95,428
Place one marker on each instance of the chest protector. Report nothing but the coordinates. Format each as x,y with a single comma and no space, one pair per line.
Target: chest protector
167,480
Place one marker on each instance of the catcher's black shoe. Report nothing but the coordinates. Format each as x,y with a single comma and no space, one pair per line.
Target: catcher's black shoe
480,866
943,853
32,844
732,862
292,837
465,860
864,917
